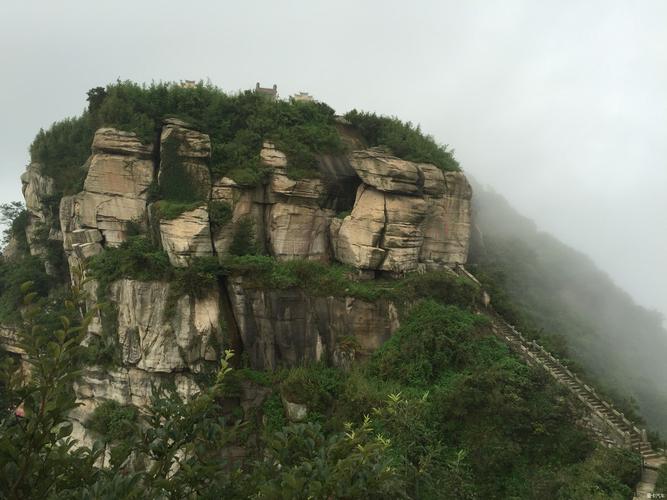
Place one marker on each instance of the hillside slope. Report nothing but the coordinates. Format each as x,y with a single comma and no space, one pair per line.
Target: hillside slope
561,295
167,227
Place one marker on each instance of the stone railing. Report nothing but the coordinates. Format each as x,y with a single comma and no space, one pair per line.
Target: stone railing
628,435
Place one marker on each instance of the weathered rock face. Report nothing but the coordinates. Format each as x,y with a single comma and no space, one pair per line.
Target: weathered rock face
367,209
118,142
37,188
187,236
289,327
245,204
126,386
193,150
157,335
38,191
120,172
299,232
448,224
385,172
405,215
383,232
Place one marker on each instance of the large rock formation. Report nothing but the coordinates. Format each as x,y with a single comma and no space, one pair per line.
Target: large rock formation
159,334
405,215
38,192
289,327
120,172
191,149
366,209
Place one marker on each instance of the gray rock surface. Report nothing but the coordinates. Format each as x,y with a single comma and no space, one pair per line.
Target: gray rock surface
290,327
187,236
158,334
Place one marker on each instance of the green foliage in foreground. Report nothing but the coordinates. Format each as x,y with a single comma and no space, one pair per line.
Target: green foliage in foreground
460,419
403,139
12,276
113,420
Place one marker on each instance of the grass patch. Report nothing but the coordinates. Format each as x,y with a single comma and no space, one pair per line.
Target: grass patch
336,280
169,210
403,139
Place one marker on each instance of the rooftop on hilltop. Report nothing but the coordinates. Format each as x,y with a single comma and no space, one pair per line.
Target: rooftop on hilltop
271,93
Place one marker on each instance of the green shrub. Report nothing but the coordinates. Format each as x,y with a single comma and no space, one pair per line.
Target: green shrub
243,241
219,213
199,277
431,340
177,182
661,483
136,258
317,386
274,413
403,139
113,420
15,218
12,276
63,149
169,210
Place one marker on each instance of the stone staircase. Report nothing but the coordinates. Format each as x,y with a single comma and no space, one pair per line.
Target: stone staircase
613,428
610,426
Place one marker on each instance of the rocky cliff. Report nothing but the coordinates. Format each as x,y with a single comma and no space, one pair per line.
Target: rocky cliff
378,214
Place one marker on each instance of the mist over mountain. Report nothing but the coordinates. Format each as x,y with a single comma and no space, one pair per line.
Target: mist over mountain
563,297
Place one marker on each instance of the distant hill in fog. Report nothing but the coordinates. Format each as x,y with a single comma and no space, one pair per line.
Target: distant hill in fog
563,297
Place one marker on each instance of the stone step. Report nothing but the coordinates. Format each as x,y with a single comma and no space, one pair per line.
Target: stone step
559,372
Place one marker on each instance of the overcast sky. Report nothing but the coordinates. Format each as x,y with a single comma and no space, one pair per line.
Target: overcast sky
560,106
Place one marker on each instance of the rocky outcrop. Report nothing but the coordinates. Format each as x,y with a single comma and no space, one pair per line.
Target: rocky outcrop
126,386
289,327
447,225
405,215
191,149
245,205
385,172
299,232
187,236
38,191
120,172
158,333
366,209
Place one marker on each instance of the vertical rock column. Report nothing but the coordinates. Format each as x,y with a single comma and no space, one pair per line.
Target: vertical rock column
184,178
114,195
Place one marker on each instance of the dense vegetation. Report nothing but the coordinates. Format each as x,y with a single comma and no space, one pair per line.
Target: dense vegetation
557,294
403,139
237,125
443,410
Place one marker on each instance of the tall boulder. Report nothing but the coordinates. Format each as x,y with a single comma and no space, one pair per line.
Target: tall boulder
291,327
120,172
405,215
184,156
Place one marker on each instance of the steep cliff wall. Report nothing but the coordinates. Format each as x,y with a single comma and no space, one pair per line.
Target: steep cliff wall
378,214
